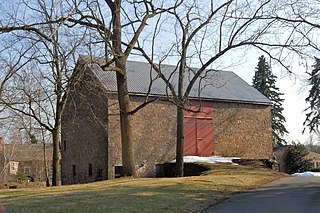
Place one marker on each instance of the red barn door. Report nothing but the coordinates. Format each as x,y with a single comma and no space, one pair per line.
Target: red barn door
199,132
205,137
190,137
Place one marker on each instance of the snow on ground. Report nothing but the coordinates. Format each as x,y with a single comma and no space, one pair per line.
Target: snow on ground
211,159
307,174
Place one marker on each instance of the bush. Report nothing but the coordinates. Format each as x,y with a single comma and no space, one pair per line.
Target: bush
16,185
21,178
295,159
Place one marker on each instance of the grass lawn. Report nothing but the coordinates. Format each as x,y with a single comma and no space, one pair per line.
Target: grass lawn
188,194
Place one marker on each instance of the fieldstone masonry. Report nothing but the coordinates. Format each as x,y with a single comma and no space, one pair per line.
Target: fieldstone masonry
243,130
153,134
91,147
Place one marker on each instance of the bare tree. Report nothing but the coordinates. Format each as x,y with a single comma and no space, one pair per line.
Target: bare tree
189,33
132,18
46,36
47,53
204,34
12,132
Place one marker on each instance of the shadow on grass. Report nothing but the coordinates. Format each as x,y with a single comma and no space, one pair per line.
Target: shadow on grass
173,198
192,194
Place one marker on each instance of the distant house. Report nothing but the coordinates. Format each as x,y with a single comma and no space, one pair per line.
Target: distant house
234,119
28,159
280,154
315,159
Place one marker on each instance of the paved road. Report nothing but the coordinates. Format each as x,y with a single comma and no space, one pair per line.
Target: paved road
287,195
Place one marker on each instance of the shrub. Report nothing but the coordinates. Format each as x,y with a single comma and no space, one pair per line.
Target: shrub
21,178
295,159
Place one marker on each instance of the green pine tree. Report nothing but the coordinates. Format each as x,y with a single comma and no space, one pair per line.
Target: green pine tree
296,160
313,115
265,82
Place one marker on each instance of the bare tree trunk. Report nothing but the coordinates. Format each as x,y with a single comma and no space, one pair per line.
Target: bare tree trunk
180,142
123,95
128,168
45,163
56,155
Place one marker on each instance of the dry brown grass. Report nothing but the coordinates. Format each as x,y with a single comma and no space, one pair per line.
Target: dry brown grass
188,194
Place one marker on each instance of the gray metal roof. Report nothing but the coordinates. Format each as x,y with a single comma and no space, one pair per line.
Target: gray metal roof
217,85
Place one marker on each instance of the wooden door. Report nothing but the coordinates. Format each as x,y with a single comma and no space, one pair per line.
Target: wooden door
198,136
205,137
190,137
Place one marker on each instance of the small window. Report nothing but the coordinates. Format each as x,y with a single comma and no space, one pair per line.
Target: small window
26,170
90,169
74,170
64,145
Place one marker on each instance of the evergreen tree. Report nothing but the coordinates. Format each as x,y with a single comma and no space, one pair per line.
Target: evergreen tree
313,116
296,160
265,82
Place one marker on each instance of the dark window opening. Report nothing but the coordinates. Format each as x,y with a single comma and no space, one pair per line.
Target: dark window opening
64,145
74,170
117,171
90,169
99,174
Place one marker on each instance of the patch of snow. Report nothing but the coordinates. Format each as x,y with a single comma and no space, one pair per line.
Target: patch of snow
307,174
211,159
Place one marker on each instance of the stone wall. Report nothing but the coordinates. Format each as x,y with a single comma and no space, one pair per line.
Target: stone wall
243,130
84,134
91,139
154,135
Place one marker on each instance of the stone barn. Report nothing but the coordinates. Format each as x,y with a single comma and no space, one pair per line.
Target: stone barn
228,118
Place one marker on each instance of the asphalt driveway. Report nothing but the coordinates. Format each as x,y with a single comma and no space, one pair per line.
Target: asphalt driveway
292,194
